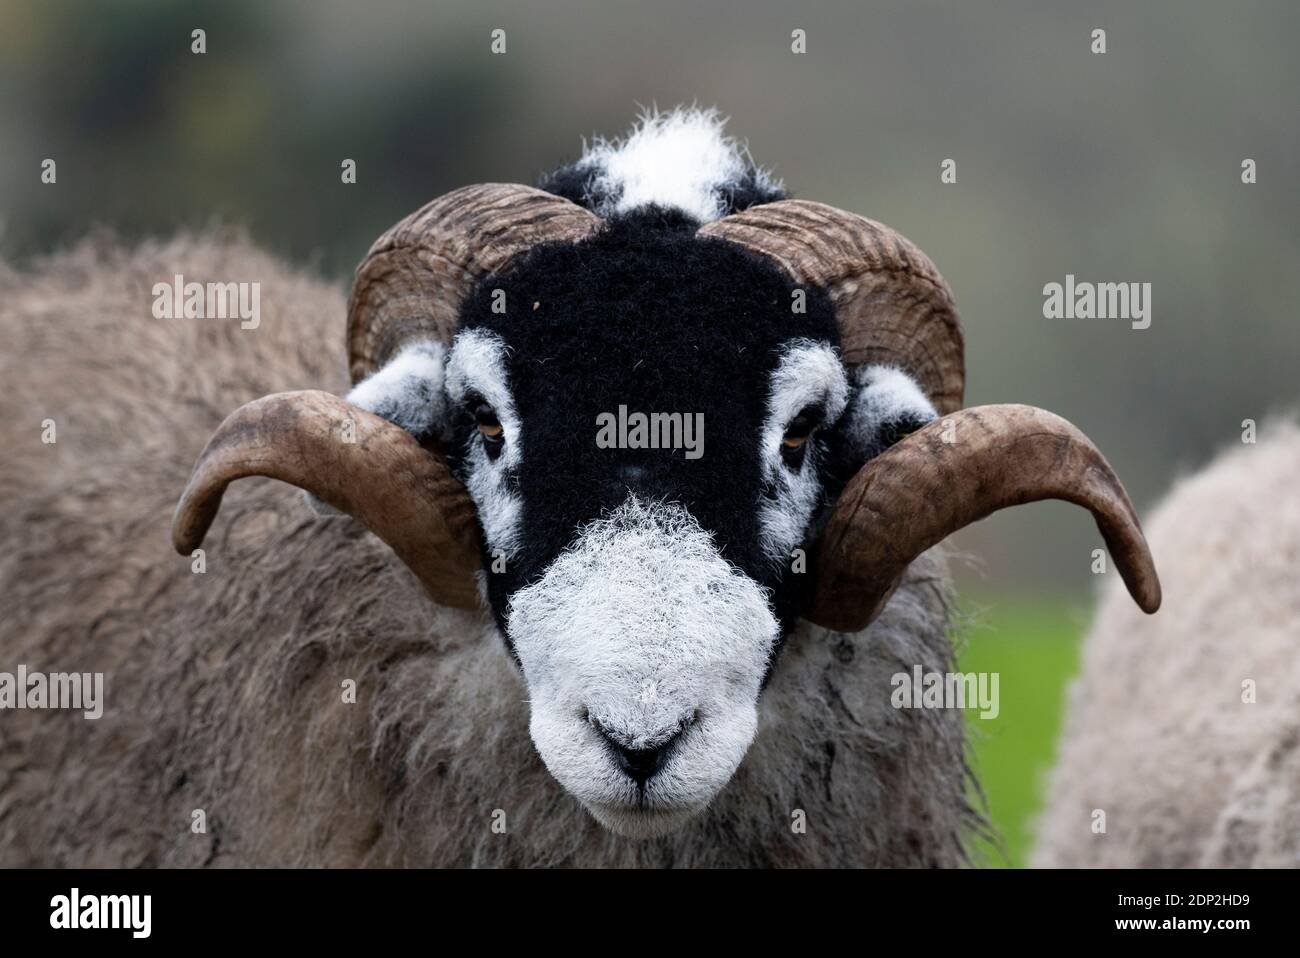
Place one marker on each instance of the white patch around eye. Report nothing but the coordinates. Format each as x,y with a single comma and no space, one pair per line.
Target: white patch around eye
477,365
809,374
884,395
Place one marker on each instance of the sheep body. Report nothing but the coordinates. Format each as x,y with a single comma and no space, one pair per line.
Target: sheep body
225,690
1161,735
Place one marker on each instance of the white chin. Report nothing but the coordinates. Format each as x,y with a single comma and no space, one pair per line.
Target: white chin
630,821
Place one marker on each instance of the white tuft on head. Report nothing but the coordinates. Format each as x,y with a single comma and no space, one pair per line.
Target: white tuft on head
680,160
643,630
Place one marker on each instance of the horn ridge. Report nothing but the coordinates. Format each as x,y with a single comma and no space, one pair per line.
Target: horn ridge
890,300
413,280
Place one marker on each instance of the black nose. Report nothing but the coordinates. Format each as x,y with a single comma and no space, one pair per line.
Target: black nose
640,764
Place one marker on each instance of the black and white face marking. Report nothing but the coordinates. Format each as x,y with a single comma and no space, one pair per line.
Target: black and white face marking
478,389
808,392
646,595
644,592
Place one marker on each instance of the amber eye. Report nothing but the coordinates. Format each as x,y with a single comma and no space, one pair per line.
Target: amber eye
795,440
487,421
800,428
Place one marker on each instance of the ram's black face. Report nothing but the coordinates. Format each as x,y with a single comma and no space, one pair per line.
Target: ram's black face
648,319
645,591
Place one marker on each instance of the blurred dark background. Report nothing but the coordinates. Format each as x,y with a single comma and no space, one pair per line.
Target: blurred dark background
1124,166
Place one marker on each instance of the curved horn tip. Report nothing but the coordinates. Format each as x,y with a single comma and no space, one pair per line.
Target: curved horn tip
926,487
181,540
1147,593
403,493
188,530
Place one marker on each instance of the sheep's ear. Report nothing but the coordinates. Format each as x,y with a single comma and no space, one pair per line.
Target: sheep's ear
408,392
885,405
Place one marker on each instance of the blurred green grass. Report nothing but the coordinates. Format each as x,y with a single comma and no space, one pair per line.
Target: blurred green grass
1034,646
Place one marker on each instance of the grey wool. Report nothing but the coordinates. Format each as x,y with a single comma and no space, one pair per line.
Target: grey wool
1184,728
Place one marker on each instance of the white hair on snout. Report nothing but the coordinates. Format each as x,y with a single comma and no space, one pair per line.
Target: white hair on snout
641,627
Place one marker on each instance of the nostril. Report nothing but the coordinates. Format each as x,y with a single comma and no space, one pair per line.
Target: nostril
640,764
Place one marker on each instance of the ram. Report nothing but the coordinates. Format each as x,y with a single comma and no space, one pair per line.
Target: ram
571,654
1182,748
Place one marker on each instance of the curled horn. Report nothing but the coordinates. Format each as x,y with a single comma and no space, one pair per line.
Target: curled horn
358,463
409,287
894,308
956,471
